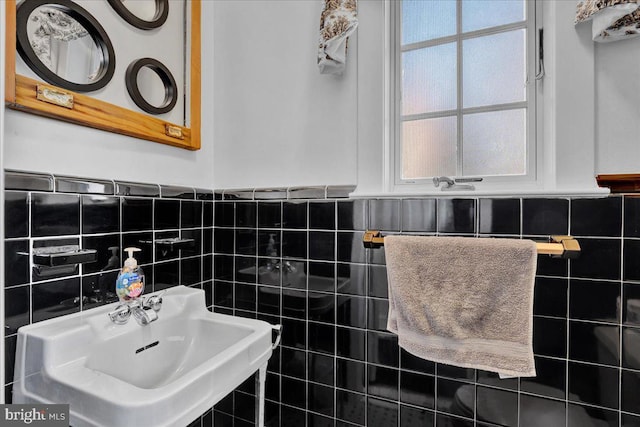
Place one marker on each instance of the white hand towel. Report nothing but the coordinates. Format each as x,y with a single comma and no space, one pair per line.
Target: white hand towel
464,301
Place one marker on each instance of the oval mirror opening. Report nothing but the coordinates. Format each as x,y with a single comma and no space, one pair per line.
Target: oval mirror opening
143,14
64,45
151,86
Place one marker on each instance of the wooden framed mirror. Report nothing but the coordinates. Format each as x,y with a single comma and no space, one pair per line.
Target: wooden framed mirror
34,96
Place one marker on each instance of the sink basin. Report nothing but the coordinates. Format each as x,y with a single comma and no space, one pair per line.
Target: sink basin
164,374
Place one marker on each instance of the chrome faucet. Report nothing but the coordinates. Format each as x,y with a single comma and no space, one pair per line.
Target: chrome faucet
144,311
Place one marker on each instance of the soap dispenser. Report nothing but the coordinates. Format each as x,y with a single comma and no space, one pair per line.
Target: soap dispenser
130,282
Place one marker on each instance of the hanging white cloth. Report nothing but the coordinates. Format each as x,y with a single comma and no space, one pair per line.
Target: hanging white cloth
337,22
612,20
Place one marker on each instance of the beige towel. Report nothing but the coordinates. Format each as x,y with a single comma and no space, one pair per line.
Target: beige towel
464,301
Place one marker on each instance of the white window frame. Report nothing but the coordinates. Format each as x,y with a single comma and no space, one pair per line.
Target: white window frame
494,184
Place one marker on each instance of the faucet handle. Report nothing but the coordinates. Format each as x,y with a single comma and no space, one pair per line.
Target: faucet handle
154,302
121,314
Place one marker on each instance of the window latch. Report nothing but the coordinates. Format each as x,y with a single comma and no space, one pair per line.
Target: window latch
456,184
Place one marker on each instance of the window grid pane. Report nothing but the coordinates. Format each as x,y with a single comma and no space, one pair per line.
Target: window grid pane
495,146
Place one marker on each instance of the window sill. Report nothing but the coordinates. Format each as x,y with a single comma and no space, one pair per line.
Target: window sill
582,192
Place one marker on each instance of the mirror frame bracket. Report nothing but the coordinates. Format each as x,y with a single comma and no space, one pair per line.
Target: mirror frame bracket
21,94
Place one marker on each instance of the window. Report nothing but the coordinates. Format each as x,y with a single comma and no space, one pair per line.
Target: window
465,89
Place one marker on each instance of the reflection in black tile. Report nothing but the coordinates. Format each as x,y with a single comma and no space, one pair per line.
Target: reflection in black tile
293,274
550,297
550,379
350,247
245,297
353,214
381,413
100,214
322,338
599,259
630,387
321,368
494,380
555,412
223,267
321,245
137,214
166,214
455,397
108,256
350,343
294,333
166,275
99,289
223,294
417,389
410,362
455,372
631,348
322,277
9,359
16,258
294,392
269,214
384,214
596,217
207,214
630,421
294,215
195,247
377,312
551,266
57,298
294,244
269,300
321,307
549,337
16,214
294,303
597,385
245,269
631,304
631,255
315,420
322,215
456,215
55,214
223,241
321,399
414,417
378,285
351,311
142,241
224,214
579,416
190,214
632,216
497,406
499,216
190,271
382,348
294,363
419,215
16,308
545,216
382,382
246,214
593,342
350,375
291,417
351,279
350,407
590,300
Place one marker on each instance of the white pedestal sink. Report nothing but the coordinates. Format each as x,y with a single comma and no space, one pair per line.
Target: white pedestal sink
164,374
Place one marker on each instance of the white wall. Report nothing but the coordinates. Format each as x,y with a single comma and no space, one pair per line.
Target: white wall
39,144
278,121
272,106
618,106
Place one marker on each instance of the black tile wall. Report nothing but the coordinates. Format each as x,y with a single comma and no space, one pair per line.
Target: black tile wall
338,366
107,223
